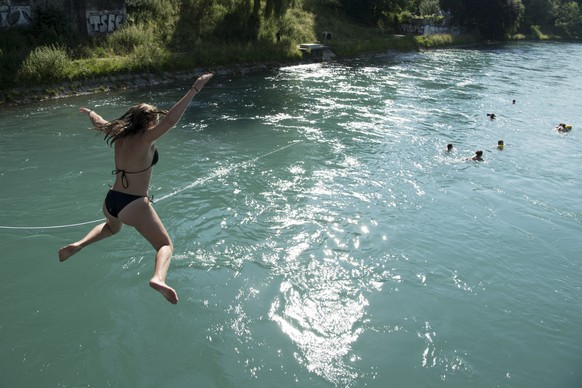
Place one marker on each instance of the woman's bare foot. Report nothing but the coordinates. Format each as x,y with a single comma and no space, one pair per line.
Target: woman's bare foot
68,251
168,292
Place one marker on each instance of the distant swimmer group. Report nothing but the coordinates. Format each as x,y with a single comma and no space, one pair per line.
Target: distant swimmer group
478,156
133,137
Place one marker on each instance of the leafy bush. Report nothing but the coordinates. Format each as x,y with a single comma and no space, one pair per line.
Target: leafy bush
162,15
96,67
537,33
437,40
126,40
45,63
569,19
148,57
429,7
299,26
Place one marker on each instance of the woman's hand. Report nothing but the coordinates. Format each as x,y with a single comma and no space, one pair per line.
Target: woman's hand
201,81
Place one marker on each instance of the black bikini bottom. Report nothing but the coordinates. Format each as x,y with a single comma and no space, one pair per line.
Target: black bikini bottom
116,201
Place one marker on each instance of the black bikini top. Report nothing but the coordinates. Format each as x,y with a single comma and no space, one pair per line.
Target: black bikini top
124,181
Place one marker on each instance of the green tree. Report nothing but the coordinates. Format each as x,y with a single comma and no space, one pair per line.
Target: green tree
493,19
277,8
456,8
568,19
538,13
370,11
428,7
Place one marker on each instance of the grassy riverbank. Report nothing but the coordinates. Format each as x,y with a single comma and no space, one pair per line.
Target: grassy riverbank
56,64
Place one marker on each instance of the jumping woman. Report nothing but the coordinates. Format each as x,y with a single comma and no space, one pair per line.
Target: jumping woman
133,137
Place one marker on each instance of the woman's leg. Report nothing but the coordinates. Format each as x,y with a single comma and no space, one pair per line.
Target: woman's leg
141,215
101,231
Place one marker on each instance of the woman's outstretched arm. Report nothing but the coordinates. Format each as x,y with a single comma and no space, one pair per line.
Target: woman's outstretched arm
96,120
177,110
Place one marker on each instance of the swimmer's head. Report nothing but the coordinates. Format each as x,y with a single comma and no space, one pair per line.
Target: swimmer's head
500,144
449,147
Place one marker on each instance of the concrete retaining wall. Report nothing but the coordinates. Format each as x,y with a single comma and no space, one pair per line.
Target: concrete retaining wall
88,17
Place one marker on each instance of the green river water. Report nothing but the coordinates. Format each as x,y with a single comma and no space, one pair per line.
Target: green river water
322,236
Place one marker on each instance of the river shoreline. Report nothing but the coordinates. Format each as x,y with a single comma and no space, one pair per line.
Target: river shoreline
30,95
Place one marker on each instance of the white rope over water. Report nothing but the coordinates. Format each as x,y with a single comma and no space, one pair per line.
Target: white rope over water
198,182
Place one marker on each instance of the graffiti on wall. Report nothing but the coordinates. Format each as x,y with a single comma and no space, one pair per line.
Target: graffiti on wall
434,30
103,22
15,16
417,29
428,29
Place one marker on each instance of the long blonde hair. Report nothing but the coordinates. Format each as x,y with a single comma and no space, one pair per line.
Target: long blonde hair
137,119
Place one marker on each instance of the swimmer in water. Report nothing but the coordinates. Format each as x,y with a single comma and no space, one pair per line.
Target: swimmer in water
449,147
563,127
500,145
478,156
133,137
491,115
